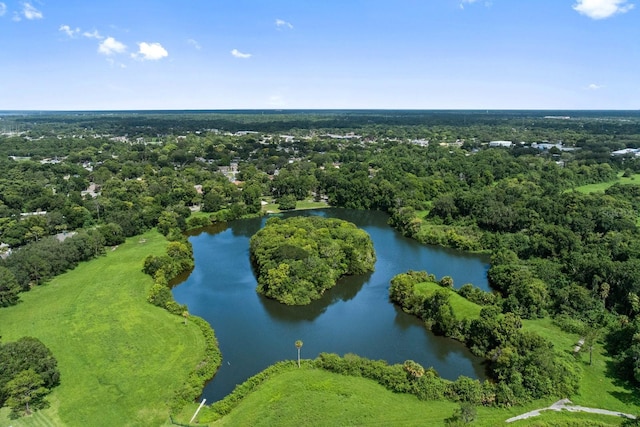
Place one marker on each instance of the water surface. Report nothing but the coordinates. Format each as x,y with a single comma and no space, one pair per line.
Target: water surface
353,317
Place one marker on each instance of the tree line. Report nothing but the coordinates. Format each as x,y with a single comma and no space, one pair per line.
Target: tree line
555,251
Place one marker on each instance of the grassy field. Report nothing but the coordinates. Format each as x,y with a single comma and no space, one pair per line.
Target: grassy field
462,307
561,340
120,358
272,206
600,187
312,397
309,397
317,398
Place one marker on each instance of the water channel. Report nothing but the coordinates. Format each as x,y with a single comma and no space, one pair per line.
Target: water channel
353,317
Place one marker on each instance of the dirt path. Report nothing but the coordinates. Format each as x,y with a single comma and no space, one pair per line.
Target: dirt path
566,405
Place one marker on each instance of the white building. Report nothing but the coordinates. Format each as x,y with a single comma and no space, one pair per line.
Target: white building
506,144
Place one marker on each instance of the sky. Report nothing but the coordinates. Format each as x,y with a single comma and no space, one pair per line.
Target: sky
319,54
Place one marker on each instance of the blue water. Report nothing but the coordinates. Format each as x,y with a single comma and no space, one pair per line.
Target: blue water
355,316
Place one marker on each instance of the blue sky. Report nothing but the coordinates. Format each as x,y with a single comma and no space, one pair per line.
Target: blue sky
264,54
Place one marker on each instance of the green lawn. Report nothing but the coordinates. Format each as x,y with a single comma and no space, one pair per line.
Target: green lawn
309,397
597,388
120,358
561,340
602,186
462,307
272,206
312,397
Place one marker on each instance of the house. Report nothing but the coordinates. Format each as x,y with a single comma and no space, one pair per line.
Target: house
5,250
626,151
505,144
24,215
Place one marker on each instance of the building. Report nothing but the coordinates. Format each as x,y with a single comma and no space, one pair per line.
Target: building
505,144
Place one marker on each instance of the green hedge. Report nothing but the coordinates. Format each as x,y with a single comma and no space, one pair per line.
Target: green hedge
204,371
224,406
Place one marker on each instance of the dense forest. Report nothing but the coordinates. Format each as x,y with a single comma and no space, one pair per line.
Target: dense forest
75,183
298,259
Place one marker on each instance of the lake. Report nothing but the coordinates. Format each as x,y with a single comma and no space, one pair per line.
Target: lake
355,316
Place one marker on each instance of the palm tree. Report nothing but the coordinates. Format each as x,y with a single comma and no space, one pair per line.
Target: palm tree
298,346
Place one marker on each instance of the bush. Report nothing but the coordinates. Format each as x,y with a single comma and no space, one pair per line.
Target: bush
465,389
446,282
570,324
204,371
287,202
175,308
477,295
159,295
224,406
198,221
428,386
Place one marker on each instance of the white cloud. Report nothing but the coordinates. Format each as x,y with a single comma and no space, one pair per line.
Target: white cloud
283,24
30,12
111,46
236,53
594,86
487,3
92,35
194,43
115,64
3,9
68,30
463,2
150,52
601,9
73,32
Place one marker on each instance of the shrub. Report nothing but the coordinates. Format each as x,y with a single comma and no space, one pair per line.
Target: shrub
159,295
204,371
198,221
224,406
465,389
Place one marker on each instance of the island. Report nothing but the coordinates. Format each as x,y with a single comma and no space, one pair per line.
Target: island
297,259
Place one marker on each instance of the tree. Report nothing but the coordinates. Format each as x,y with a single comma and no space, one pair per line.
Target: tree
9,288
287,202
465,414
446,282
298,259
27,353
25,390
298,346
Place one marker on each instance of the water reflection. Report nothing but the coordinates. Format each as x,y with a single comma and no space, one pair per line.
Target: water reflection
346,289
355,316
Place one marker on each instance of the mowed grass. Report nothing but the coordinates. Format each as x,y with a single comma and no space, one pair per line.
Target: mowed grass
562,341
272,205
598,387
313,397
310,397
462,307
602,186
120,358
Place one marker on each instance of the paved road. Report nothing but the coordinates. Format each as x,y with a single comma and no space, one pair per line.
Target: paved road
566,405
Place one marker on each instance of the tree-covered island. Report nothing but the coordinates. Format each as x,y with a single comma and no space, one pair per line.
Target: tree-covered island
297,259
